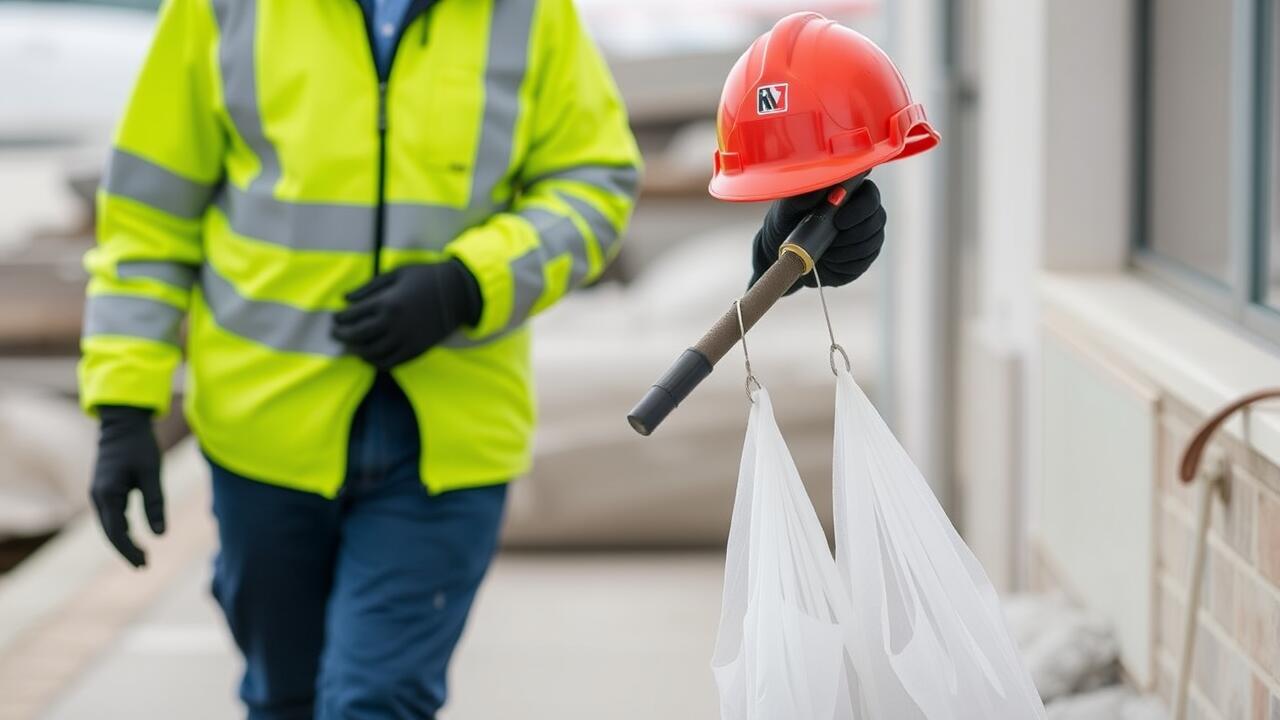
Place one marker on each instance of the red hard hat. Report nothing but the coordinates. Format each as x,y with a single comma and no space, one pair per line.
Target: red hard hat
810,104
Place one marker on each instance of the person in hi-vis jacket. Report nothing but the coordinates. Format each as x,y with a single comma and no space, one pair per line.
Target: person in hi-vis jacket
355,207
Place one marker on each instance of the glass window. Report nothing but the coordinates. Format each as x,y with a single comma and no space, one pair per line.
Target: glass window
1270,278
1188,86
1208,143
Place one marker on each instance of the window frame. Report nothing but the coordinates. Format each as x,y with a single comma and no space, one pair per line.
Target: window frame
1242,299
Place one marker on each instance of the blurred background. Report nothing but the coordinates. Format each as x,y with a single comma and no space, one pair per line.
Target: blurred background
1086,269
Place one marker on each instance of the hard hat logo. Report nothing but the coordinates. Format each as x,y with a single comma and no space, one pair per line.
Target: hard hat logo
771,99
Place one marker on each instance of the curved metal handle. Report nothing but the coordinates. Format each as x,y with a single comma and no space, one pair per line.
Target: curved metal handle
1190,464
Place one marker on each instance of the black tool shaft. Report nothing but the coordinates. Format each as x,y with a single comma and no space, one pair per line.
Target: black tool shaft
695,363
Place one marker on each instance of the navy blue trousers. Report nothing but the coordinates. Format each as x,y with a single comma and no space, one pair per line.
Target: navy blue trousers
351,608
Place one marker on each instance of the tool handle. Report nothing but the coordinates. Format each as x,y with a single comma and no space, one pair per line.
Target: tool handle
806,244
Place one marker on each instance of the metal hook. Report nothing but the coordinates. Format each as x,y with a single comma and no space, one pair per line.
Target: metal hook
742,329
831,333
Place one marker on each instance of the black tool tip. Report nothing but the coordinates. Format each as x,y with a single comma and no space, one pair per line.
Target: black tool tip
652,409
638,425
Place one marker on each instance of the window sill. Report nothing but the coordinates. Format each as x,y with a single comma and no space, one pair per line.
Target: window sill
1194,357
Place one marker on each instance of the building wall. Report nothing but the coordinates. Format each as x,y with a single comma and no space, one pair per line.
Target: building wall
916,258
1096,491
1127,554
1184,365
1103,518
1236,673
996,333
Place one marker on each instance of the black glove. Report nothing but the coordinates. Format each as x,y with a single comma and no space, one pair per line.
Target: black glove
398,316
860,222
128,460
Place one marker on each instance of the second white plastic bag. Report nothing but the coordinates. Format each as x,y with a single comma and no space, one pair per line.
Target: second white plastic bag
780,650
927,631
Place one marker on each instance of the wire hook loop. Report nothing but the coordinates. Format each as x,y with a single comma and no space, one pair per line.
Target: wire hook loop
746,357
831,333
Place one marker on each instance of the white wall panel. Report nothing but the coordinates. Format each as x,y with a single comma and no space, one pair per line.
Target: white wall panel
989,458
1097,488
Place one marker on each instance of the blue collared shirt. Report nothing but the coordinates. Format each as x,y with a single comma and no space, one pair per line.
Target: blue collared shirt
385,18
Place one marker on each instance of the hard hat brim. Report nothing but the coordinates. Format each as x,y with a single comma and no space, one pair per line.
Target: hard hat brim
911,135
778,183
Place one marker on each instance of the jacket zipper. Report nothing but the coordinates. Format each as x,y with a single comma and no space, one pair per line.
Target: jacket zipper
378,217
416,7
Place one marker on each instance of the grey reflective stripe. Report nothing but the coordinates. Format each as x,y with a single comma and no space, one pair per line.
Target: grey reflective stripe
130,316
616,179
170,273
273,324
256,214
284,327
342,228
460,341
238,63
509,29
422,227
606,234
419,226
137,178
528,278
557,235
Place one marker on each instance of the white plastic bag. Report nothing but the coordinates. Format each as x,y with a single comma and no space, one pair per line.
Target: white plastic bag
780,649
905,626
926,631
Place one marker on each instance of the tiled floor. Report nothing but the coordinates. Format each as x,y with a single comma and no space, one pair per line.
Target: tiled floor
554,636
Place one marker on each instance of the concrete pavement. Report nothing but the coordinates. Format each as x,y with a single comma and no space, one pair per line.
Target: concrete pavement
559,636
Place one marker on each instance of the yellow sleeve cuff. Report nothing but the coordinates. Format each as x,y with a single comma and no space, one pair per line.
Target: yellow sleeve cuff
127,371
488,251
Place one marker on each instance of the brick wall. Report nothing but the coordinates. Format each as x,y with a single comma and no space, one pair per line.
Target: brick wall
1236,673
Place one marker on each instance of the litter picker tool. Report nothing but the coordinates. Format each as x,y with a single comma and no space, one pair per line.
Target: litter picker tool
811,105
901,623
796,257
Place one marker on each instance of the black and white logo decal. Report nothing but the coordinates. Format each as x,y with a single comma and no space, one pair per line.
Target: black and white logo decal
771,99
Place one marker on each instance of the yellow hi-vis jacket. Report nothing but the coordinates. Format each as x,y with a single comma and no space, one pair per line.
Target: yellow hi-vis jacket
262,171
